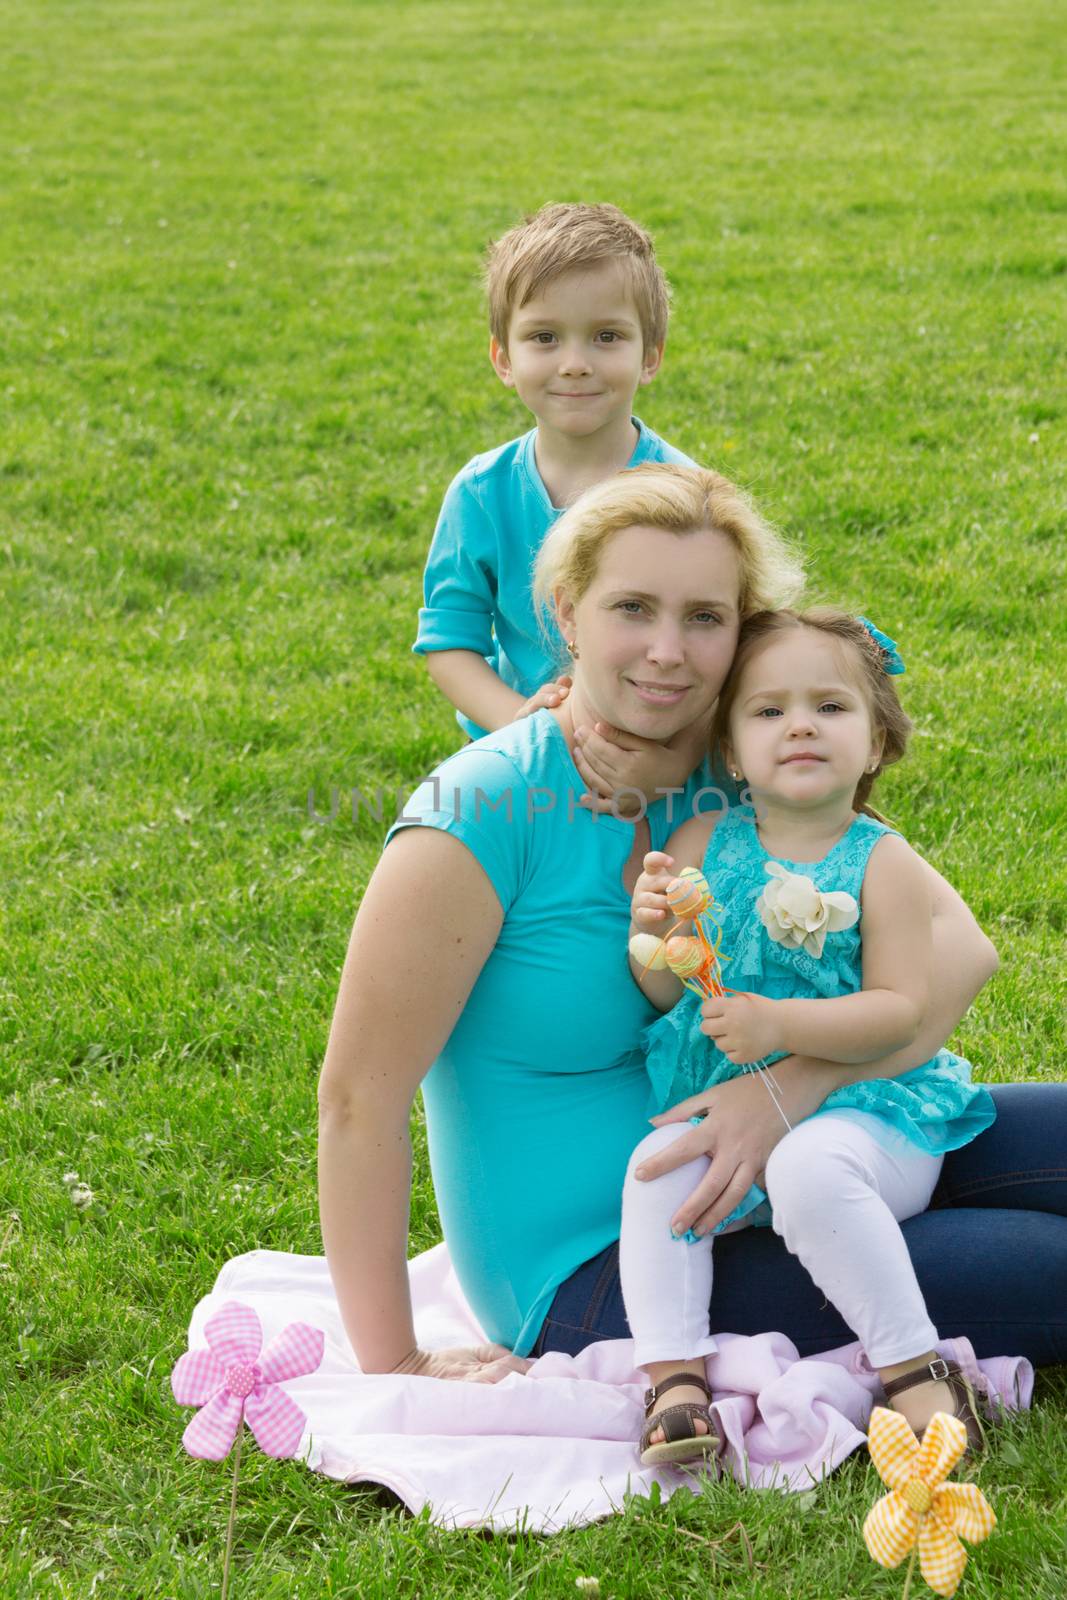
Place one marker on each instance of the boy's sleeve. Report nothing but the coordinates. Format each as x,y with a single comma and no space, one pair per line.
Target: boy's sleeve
460,583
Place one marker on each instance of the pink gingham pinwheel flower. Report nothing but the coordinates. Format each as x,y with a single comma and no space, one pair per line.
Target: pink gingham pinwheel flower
234,1378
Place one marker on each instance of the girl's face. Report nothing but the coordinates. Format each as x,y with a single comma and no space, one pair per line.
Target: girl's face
800,728
656,629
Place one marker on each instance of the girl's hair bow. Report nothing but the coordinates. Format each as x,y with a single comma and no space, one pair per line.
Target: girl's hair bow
892,661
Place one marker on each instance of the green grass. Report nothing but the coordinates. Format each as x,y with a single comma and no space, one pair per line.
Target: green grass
241,353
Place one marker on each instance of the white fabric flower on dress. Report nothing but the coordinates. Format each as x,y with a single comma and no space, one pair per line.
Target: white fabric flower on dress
795,913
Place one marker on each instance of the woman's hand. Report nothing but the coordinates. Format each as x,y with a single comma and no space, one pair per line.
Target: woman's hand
483,1363
741,1127
550,694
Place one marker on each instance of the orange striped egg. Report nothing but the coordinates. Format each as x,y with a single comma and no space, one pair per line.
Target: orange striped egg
684,956
688,894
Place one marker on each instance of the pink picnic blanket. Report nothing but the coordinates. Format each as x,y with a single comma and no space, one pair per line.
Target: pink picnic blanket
554,1448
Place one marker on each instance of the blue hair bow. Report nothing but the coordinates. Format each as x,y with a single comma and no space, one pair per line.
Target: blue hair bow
892,662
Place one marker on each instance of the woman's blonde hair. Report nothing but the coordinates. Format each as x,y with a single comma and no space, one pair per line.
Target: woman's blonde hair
676,499
888,716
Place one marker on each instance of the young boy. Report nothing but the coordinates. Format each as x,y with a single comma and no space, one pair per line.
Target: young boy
578,317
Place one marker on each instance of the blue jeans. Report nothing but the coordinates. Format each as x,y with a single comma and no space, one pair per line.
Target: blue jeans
990,1254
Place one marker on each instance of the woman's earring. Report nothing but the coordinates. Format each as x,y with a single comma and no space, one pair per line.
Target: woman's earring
573,648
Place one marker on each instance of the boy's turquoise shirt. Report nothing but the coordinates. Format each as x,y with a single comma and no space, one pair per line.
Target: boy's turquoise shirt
479,572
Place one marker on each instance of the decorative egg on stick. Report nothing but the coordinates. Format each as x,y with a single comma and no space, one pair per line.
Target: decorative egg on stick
686,957
689,898
696,959
649,952
688,894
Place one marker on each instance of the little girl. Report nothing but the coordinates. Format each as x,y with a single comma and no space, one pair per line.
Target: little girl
825,918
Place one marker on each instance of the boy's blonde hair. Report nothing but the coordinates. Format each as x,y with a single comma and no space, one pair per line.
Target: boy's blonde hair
888,716
557,239
679,500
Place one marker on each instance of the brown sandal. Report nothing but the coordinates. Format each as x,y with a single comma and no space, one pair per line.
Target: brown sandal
965,1407
681,1442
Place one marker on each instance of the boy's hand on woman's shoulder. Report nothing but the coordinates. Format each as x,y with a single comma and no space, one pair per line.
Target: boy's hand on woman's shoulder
550,695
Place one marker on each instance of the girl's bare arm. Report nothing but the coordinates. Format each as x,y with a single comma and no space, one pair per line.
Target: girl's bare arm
962,961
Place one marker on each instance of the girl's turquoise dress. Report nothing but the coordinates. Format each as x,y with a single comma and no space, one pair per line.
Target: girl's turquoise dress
935,1106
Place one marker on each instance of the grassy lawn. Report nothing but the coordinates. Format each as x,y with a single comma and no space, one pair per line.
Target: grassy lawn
241,353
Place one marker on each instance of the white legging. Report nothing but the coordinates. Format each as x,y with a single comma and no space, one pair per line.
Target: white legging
838,1196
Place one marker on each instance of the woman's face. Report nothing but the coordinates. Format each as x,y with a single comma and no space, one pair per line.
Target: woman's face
656,629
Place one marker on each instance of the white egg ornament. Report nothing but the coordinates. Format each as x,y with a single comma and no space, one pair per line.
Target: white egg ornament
648,952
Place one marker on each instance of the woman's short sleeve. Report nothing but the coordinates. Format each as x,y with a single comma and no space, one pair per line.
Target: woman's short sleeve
480,797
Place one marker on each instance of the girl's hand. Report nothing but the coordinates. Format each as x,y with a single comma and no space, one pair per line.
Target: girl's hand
741,1127
484,1363
611,762
649,907
744,1026
550,694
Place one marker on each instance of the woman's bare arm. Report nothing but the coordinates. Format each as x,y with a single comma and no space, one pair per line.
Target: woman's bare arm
428,921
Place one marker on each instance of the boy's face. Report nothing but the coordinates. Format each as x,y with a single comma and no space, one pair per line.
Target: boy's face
576,354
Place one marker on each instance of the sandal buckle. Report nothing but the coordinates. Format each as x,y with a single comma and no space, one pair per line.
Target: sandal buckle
938,1369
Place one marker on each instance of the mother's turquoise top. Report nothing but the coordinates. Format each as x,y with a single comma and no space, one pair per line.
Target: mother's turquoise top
540,1094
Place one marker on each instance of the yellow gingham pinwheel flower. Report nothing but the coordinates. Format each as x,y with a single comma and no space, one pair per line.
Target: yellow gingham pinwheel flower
921,1508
